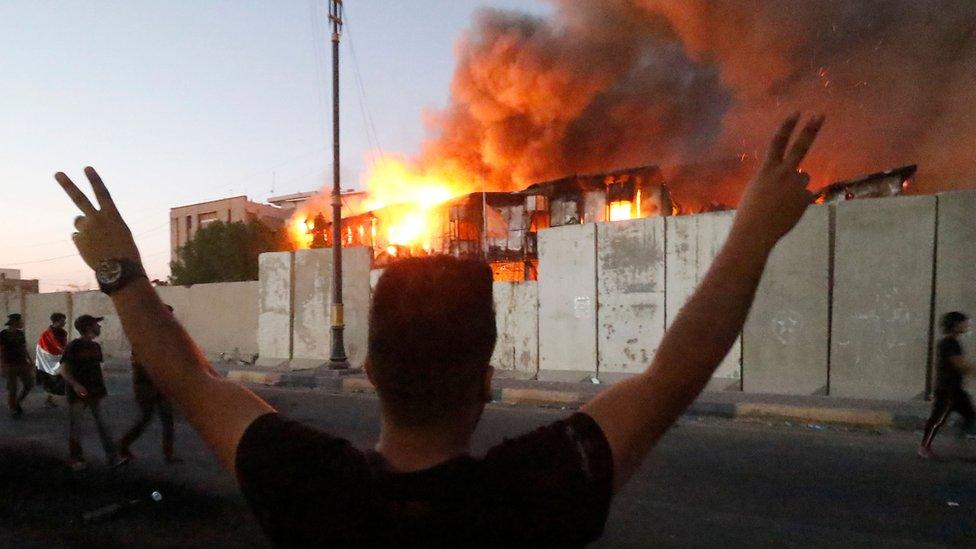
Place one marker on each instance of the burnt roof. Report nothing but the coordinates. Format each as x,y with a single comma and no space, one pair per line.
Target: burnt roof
904,173
581,182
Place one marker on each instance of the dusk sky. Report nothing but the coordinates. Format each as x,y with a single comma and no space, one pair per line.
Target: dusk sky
182,102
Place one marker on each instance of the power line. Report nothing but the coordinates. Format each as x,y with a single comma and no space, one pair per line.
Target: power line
49,259
45,260
370,126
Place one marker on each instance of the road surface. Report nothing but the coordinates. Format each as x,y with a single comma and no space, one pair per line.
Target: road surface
710,483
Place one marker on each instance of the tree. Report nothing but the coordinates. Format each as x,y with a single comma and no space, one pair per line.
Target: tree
223,252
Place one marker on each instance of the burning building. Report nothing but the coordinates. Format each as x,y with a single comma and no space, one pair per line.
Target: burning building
500,227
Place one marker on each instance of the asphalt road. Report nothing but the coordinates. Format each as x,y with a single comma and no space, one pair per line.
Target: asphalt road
710,483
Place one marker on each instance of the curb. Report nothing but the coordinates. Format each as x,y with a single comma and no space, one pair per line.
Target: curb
842,416
554,398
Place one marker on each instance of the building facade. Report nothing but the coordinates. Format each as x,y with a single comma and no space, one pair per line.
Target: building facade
185,221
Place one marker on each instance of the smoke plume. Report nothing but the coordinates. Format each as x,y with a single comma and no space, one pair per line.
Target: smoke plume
606,84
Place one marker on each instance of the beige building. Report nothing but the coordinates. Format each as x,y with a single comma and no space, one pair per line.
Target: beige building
185,221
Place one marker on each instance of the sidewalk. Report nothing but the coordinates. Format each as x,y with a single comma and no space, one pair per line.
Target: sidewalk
817,411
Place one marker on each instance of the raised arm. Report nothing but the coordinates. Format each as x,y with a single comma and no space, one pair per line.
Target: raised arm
635,413
218,409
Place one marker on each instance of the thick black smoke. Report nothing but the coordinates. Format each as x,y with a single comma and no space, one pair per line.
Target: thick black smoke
605,84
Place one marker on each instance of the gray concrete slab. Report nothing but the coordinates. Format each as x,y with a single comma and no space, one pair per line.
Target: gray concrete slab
692,242
313,300
631,296
223,318
567,302
517,320
883,281
786,338
275,308
955,279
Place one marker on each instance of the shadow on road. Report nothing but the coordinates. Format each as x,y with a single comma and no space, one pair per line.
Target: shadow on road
42,503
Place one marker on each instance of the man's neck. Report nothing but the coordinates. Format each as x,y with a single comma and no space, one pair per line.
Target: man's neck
413,449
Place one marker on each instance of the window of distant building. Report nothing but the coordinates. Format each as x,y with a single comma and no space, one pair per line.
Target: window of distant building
205,219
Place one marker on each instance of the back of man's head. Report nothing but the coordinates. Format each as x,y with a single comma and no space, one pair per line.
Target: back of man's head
951,320
431,335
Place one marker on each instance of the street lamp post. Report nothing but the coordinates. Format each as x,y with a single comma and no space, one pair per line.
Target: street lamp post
337,358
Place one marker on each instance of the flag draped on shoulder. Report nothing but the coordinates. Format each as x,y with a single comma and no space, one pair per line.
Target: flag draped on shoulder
48,353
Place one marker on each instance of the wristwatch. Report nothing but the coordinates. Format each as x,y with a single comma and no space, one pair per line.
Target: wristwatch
114,274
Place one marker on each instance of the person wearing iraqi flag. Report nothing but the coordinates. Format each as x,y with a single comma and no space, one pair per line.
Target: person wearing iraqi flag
50,347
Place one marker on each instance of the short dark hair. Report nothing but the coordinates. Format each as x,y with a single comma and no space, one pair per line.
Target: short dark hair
57,317
431,336
950,320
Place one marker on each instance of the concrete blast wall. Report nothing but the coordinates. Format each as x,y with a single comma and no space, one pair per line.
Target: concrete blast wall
517,320
693,241
313,301
275,308
567,303
883,261
222,318
955,280
786,337
631,298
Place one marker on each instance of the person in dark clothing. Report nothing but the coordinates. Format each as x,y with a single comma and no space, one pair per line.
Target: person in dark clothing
50,347
431,335
81,366
950,396
149,400
15,364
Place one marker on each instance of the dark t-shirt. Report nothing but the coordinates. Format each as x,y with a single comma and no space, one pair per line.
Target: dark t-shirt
551,488
13,348
948,377
85,360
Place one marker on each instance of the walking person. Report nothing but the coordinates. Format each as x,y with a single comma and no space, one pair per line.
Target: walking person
15,364
149,400
47,358
81,366
949,394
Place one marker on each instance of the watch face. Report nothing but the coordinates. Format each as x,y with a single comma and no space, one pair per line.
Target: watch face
108,272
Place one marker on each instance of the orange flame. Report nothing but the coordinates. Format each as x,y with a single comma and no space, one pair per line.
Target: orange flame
403,198
621,210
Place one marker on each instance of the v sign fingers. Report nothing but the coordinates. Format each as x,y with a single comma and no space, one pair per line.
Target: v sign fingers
105,201
777,196
782,138
75,194
101,234
803,143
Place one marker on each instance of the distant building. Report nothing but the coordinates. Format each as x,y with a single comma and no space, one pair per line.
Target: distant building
352,201
185,221
291,201
12,292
